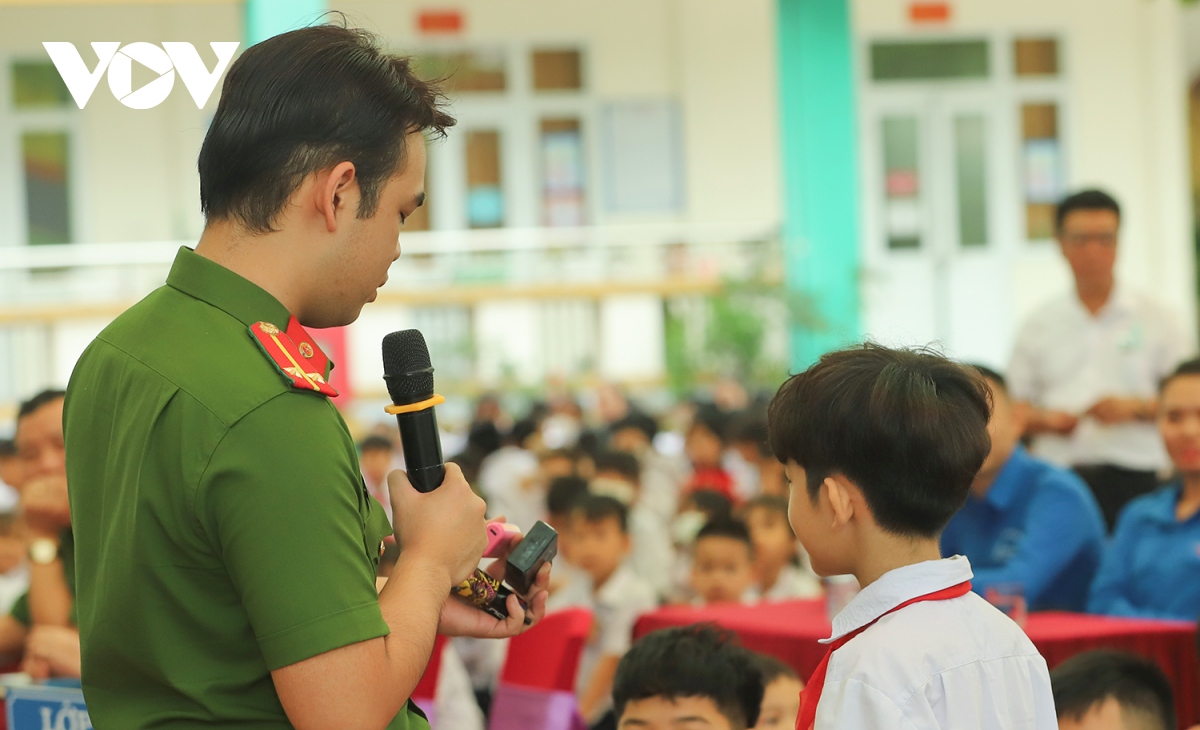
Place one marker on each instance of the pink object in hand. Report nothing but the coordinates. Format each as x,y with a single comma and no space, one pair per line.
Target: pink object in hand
500,535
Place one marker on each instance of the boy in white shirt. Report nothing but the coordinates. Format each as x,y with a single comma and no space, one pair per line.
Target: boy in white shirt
880,448
723,564
599,538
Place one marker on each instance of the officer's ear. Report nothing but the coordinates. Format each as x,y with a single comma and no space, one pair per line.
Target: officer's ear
333,192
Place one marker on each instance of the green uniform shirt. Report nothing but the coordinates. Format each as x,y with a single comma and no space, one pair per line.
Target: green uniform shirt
222,526
66,553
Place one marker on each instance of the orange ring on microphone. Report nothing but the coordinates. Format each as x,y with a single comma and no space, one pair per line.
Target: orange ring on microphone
395,410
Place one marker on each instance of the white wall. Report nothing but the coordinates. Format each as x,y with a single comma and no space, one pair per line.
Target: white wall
1125,125
138,166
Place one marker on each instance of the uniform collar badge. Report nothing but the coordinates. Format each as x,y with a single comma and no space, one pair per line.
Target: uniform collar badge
295,355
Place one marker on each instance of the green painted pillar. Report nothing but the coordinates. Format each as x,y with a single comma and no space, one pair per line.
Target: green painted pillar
819,132
266,18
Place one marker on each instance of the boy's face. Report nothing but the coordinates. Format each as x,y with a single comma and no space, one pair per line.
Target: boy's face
780,705
814,525
630,440
703,447
683,713
598,546
722,569
553,467
774,544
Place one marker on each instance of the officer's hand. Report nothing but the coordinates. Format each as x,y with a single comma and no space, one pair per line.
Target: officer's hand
460,619
45,506
445,527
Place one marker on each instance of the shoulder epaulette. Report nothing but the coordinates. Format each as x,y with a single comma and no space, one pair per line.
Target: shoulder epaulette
295,355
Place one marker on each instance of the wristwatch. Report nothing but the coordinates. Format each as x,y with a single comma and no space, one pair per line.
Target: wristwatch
43,551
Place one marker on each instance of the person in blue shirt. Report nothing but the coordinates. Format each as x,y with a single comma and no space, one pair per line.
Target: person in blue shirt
1026,521
1152,567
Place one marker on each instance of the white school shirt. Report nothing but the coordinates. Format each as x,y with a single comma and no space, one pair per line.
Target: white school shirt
793,582
506,481
1067,359
615,608
935,665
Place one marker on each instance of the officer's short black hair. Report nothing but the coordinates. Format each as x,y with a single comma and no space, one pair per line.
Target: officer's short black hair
619,462
1187,367
301,102
692,661
727,527
908,427
598,508
1084,200
46,397
564,493
375,442
1137,684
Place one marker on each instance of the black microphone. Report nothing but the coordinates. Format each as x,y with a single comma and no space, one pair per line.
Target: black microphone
409,377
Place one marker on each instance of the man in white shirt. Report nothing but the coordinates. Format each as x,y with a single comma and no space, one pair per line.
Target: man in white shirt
1089,364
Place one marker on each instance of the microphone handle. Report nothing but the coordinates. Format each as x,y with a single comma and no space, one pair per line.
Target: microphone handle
422,449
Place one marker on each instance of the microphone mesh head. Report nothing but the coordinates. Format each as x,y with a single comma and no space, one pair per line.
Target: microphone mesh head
406,366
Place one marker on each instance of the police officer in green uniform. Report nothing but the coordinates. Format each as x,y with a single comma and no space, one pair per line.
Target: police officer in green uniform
226,547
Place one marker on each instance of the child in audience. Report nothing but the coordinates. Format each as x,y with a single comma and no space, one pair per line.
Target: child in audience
705,448
375,458
723,564
776,561
599,537
689,678
1152,567
618,474
781,694
696,510
1112,690
881,447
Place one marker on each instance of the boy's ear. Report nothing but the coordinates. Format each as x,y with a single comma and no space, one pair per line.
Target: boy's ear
841,498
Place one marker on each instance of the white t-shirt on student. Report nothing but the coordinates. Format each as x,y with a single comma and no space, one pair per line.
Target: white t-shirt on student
935,665
616,607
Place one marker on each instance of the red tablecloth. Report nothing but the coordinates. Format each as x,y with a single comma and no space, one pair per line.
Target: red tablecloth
790,632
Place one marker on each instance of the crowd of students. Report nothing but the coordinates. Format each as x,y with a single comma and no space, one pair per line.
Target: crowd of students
922,478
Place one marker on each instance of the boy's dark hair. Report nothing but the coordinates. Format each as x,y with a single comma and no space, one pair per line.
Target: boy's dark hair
564,493
46,397
712,503
375,442
621,462
637,420
301,102
1137,684
712,419
8,448
521,431
572,455
597,508
692,661
1187,367
751,428
730,528
772,669
992,375
908,427
1084,200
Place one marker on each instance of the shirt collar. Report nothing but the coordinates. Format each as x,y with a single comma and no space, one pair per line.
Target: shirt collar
897,586
214,284
1009,480
614,589
1164,503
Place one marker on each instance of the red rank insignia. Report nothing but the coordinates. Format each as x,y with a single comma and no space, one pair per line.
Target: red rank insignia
295,354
